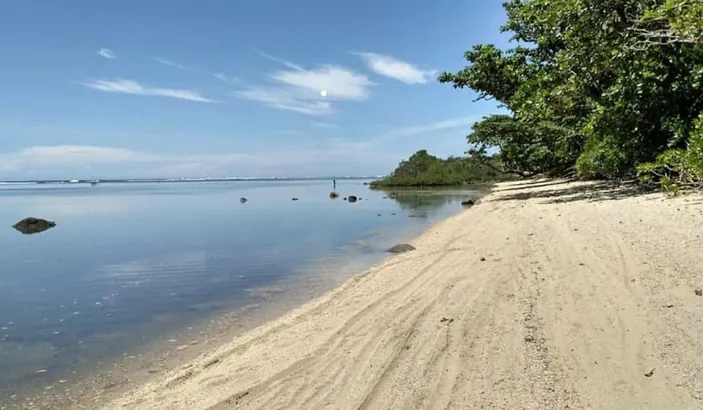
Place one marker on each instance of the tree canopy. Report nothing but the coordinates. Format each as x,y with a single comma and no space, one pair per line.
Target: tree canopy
596,86
423,169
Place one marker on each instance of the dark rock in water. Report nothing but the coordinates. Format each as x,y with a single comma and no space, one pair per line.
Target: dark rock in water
334,195
468,202
402,248
352,198
29,226
243,200
295,199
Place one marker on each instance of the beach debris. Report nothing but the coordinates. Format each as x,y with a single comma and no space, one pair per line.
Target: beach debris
243,200
649,374
668,305
445,320
468,202
352,198
239,396
334,195
31,225
698,292
401,248
483,259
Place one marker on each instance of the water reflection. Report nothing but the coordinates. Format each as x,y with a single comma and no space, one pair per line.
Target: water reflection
130,263
422,202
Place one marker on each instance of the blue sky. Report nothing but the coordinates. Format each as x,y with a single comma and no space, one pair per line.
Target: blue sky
132,88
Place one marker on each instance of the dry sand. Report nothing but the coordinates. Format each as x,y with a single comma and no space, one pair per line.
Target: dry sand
546,295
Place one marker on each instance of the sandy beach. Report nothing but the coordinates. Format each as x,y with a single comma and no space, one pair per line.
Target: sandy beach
545,295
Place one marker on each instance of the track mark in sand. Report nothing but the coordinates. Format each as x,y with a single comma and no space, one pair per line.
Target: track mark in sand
542,369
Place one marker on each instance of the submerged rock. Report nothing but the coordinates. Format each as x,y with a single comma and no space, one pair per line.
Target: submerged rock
30,226
352,198
401,248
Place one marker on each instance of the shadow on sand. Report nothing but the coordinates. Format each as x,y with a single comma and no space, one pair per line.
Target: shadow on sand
563,191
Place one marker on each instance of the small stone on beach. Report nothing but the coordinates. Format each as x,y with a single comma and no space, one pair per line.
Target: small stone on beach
401,248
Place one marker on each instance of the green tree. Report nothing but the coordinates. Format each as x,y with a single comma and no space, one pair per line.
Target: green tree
423,169
588,86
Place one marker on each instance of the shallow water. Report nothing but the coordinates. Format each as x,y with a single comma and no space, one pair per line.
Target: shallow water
128,262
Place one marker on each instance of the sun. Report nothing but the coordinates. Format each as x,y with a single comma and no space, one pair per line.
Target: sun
323,93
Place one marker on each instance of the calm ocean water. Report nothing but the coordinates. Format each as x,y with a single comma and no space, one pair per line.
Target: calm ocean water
144,258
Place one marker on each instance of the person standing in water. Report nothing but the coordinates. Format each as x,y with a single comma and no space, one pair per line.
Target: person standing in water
334,184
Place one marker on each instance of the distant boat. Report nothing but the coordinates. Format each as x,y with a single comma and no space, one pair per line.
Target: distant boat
73,181
94,182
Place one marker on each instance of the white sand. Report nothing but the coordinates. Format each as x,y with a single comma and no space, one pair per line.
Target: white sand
577,299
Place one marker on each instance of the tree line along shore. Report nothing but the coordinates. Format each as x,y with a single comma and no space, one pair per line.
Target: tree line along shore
597,89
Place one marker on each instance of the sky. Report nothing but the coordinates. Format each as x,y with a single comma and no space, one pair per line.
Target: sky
132,88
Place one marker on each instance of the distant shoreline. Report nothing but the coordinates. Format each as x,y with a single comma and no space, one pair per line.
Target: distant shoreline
165,180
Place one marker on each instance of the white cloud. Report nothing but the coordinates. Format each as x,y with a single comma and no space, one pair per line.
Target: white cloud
280,61
70,161
170,63
107,53
298,89
58,155
133,87
286,99
392,67
227,79
432,127
326,125
294,156
340,83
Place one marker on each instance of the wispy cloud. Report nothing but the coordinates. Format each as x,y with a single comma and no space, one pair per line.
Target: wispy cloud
280,61
231,80
300,156
76,161
326,125
170,63
445,124
133,87
298,89
107,53
396,69
227,79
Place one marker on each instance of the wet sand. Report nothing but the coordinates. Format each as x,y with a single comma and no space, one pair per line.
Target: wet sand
545,295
